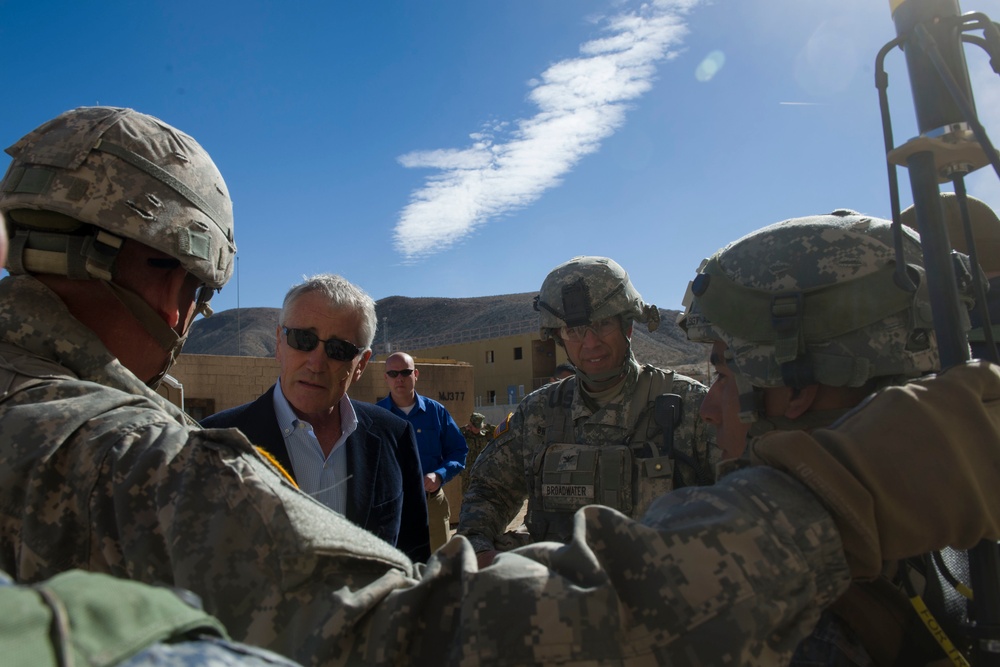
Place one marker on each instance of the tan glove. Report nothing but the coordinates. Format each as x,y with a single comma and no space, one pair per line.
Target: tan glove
914,469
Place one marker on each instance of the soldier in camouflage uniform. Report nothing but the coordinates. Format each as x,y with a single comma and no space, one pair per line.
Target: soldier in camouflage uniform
99,472
87,618
477,435
807,317
594,437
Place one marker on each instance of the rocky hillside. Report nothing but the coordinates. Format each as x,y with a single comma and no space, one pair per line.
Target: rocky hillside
412,323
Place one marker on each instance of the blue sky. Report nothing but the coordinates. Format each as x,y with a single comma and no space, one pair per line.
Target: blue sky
458,148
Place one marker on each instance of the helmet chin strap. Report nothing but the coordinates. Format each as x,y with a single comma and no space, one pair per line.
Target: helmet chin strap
168,339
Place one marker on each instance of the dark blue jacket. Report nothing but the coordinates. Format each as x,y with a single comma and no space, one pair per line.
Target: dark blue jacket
385,494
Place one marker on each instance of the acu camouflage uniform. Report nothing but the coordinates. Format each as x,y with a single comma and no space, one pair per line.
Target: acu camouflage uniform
476,438
619,448
98,472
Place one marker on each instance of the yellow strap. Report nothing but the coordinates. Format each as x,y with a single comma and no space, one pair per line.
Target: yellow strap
937,632
273,461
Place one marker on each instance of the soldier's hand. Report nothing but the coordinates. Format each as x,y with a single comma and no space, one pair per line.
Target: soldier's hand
485,558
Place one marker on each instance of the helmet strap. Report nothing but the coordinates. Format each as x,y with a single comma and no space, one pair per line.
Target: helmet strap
168,339
751,399
76,256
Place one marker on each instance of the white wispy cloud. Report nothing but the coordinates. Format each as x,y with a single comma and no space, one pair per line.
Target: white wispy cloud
581,101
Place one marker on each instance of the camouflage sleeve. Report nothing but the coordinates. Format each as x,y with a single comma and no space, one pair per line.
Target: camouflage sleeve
497,489
747,564
694,439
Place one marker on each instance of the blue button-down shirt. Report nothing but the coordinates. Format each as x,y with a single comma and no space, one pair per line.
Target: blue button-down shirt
322,477
442,446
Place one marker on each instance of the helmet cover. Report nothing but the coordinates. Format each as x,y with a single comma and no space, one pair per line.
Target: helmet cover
589,289
126,173
815,300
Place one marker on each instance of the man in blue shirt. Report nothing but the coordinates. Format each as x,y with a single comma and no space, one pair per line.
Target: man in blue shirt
442,446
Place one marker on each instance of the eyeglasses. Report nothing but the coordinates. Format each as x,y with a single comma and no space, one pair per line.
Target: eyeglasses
406,372
306,341
601,328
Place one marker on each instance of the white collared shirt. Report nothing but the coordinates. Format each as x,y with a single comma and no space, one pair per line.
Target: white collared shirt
322,477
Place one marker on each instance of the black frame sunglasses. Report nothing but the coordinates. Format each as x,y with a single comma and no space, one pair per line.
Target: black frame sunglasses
304,340
406,372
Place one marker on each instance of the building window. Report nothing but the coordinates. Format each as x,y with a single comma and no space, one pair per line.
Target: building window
518,353
489,356
491,397
199,408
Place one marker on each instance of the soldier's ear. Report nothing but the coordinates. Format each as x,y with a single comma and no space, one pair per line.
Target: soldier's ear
801,400
166,295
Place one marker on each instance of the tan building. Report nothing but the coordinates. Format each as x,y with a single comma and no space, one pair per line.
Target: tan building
506,368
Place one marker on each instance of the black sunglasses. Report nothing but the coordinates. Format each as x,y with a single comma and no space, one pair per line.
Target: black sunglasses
406,372
306,341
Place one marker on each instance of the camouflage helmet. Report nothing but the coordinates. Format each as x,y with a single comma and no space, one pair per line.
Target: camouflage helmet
129,176
588,289
815,300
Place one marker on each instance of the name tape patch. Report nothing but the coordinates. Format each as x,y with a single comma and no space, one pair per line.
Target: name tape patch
568,490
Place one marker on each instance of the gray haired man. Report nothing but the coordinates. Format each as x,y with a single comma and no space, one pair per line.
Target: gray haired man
358,459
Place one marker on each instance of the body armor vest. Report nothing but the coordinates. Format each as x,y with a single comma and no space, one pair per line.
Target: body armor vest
626,475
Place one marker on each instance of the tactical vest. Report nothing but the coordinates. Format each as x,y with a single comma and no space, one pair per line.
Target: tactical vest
626,476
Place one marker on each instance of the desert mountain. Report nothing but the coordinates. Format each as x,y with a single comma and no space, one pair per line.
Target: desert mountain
415,323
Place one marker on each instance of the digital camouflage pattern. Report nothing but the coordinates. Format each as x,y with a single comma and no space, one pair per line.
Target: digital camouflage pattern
127,173
477,438
98,472
588,289
838,318
507,472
